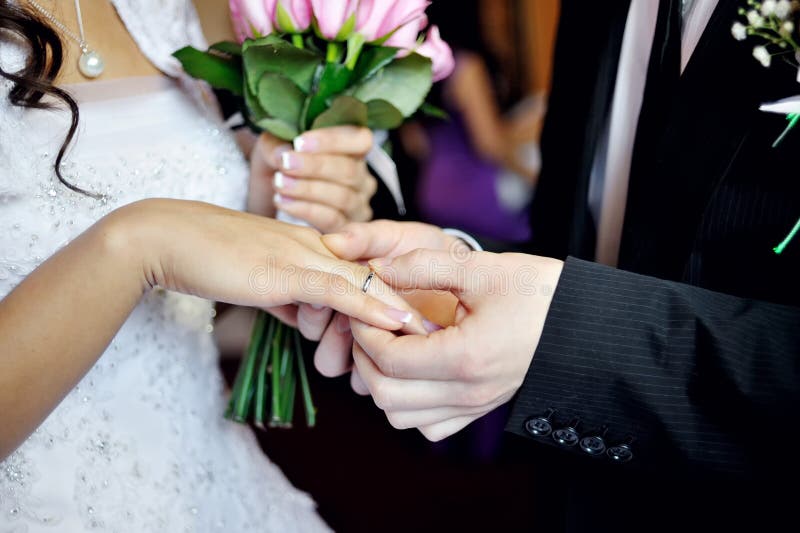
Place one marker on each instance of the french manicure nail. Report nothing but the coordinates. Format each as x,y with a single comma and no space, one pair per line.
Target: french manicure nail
279,199
290,161
305,144
282,181
404,317
430,327
277,154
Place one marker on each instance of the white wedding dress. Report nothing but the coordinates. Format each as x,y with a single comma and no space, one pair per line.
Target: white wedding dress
140,445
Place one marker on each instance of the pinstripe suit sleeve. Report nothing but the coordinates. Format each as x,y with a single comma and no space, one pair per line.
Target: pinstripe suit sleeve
697,378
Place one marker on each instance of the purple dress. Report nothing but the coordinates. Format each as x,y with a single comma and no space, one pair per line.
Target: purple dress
457,188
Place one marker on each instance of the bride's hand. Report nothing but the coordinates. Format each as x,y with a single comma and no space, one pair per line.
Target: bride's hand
242,259
324,180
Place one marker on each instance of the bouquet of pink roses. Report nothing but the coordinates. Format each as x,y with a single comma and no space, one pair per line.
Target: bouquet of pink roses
306,64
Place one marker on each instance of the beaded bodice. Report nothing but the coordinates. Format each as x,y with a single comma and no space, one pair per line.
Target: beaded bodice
140,444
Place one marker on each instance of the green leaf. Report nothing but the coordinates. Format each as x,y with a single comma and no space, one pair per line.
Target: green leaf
373,59
344,111
332,81
430,110
280,98
227,47
279,128
279,57
381,115
253,108
272,38
219,72
348,27
404,83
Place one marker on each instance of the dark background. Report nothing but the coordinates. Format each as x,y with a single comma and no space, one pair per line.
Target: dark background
367,476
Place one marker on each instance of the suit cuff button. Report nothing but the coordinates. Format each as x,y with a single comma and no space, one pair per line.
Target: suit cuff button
568,436
621,453
540,426
594,444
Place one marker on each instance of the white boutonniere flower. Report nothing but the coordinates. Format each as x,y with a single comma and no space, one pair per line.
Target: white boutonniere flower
774,24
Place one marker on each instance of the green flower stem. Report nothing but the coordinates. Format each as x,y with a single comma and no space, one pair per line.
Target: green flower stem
261,377
290,402
334,52
793,119
764,35
297,40
288,380
237,383
792,234
355,44
311,411
244,394
775,24
276,383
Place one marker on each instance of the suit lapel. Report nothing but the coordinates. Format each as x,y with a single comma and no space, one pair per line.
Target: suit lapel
710,111
587,56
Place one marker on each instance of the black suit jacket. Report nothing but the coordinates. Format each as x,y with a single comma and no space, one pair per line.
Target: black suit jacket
690,351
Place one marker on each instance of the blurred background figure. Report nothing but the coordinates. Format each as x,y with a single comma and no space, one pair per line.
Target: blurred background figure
477,170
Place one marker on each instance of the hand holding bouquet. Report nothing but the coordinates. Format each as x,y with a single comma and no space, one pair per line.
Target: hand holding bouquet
308,64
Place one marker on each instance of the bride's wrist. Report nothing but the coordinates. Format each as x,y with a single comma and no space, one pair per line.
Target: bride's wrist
129,238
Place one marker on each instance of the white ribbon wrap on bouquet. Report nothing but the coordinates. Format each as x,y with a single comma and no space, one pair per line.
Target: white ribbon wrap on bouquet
382,165
787,106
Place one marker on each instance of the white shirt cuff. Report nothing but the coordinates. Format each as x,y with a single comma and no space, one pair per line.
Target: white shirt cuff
467,238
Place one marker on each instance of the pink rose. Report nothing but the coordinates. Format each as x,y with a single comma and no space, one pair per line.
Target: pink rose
292,16
376,19
335,18
439,52
252,18
406,36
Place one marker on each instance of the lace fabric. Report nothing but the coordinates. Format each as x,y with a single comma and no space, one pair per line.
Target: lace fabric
139,445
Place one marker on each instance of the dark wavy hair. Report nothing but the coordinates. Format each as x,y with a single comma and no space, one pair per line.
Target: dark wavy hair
35,80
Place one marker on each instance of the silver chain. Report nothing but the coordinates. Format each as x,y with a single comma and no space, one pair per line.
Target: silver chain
81,40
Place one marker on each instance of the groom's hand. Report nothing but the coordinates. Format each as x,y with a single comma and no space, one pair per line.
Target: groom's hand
362,242
441,382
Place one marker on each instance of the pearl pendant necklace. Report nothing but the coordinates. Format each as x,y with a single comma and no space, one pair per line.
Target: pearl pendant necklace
90,63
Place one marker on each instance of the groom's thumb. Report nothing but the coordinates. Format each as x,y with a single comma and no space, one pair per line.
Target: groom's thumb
428,270
363,240
352,242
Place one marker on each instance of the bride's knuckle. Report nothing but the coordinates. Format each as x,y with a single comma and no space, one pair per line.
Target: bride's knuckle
340,197
363,140
371,185
337,287
367,214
